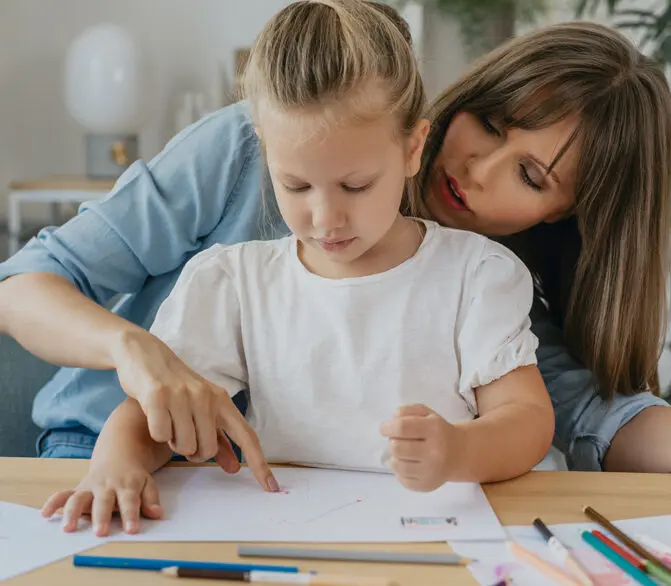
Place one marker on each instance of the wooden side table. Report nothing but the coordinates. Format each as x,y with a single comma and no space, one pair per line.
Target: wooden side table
54,191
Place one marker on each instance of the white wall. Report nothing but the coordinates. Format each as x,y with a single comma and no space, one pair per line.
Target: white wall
184,42
442,55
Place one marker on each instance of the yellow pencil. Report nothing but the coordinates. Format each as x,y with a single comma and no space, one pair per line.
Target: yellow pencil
550,570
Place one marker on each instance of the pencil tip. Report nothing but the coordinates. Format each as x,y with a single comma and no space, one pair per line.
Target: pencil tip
171,571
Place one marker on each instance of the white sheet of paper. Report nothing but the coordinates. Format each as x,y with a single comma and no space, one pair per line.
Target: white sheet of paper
28,542
495,561
318,505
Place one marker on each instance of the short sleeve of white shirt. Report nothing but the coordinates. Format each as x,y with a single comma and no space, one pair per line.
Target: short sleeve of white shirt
200,320
494,336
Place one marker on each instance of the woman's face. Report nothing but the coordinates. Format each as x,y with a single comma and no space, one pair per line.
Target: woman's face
495,181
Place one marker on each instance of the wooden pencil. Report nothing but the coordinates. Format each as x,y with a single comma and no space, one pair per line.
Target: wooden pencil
275,577
624,538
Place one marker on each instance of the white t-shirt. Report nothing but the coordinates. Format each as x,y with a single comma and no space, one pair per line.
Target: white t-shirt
328,360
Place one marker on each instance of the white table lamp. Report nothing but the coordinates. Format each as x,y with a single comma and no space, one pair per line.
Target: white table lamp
103,79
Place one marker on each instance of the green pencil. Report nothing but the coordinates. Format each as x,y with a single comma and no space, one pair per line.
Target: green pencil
618,560
656,572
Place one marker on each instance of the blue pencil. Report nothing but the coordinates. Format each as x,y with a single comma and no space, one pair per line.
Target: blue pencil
618,560
86,561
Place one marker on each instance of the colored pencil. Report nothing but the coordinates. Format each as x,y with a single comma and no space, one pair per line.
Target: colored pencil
550,570
619,550
660,573
624,538
388,557
618,560
273,577
85,561
562,553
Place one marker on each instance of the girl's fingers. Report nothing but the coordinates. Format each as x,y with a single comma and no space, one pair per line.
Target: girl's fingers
102,509
410,427
416,410
409,450
78,504
405,469
129,502
55,502
150,501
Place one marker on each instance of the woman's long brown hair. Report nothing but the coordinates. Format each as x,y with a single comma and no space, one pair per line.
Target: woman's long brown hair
602,271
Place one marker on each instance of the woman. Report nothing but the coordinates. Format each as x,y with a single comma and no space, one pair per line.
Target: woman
561,150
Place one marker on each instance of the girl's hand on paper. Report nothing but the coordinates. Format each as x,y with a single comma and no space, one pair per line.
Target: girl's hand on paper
121,486
182,408
424,448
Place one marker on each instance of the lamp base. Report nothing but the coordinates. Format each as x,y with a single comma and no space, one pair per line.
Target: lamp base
109,155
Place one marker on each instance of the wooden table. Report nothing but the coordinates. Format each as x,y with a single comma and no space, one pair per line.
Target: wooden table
555,496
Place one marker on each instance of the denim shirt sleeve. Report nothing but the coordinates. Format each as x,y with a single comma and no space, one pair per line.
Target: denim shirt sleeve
155,216
585,422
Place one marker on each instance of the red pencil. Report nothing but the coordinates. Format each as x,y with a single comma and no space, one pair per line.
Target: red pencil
619,550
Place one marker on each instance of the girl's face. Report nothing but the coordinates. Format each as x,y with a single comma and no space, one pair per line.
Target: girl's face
495,182
339,187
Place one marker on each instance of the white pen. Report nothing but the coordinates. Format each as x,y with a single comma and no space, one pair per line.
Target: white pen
562,553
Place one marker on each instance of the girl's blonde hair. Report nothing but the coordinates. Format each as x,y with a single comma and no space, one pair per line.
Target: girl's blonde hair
603,271
323,56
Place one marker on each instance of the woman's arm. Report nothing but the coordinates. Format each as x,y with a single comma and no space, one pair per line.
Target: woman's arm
77,331
53,290
154,218
630,434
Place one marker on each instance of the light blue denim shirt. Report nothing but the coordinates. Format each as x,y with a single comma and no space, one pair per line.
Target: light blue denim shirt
206,187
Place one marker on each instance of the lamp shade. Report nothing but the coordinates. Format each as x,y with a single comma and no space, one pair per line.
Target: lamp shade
103,80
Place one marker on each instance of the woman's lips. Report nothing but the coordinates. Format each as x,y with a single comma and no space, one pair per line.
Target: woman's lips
452,195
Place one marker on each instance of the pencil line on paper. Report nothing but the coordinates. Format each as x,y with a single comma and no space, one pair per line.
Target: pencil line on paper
334,510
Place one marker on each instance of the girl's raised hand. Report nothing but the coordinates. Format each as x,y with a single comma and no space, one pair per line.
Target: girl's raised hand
424,449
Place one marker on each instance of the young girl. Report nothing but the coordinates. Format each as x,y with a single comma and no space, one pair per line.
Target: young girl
368,339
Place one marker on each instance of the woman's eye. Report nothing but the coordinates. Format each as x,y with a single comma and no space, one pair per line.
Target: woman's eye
357,188
296,188
526,178
488,126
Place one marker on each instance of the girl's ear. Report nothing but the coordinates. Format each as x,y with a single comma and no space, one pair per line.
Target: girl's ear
415,146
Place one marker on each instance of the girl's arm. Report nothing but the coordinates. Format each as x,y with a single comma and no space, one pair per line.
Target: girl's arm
512,434
514,430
